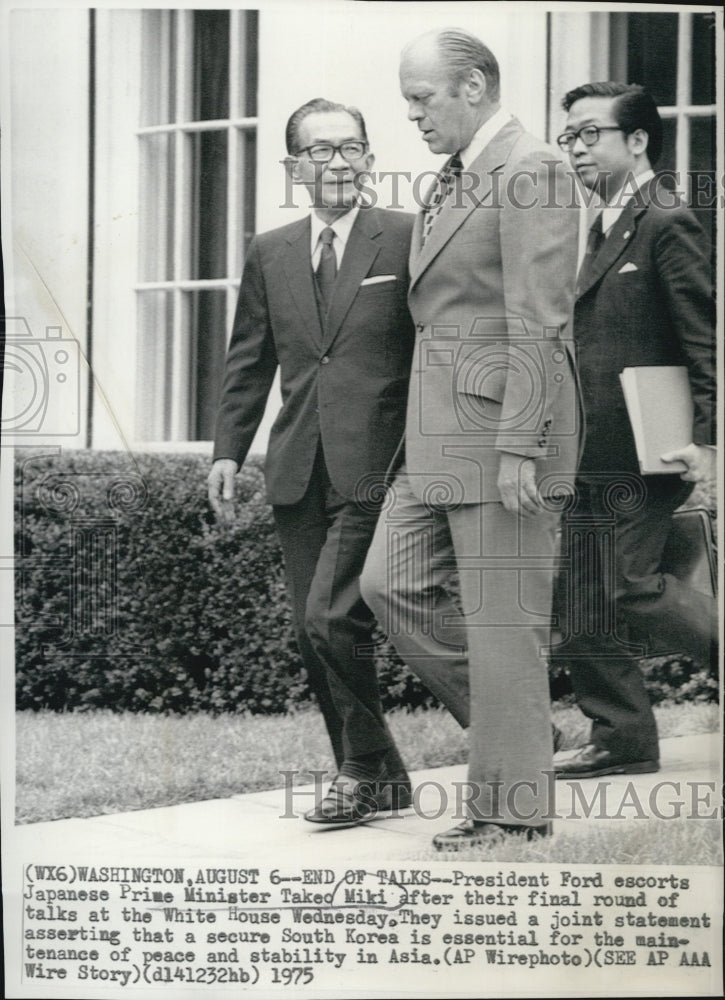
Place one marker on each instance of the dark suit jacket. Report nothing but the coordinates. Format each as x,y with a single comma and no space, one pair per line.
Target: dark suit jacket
344,379
648,301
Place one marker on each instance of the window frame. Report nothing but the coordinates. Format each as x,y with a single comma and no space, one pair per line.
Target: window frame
174,419
682,111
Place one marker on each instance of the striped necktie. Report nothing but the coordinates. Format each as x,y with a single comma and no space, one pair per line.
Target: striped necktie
441,189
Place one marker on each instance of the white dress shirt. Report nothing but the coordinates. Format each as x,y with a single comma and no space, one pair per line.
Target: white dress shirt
615,206
341,228
483,136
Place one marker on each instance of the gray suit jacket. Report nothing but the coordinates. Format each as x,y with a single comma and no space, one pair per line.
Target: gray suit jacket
491,296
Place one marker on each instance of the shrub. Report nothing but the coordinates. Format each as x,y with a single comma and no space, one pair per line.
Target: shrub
130,595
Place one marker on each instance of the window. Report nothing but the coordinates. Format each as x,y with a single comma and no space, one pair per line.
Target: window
673,56
197,150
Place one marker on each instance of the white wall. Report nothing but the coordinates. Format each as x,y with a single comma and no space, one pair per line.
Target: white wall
118,87
349,52
579,53
45,159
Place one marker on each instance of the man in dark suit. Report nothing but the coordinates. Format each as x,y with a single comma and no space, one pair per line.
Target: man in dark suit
325,300
491,432
644,297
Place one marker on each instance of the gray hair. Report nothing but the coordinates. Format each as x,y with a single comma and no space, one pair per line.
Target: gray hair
461,52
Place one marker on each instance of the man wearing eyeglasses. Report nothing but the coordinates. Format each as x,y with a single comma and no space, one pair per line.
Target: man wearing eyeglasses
324,299
644,297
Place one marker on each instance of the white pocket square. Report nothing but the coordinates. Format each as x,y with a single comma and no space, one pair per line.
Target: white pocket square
627,267
376,279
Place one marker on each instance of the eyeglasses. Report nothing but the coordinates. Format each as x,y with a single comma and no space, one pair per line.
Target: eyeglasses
323,152
589,135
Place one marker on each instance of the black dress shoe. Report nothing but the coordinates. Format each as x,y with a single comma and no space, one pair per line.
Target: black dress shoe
350,801
475,833
594,762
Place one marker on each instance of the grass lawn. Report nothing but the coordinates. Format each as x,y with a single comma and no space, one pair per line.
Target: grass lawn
679,841
87,764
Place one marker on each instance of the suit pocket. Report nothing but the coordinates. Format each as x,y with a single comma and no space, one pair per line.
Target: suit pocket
477,414
483,377
377,288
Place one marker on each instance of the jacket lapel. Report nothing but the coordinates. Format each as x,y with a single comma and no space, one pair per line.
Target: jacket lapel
416,238
297,269
459,206
360,252
620,236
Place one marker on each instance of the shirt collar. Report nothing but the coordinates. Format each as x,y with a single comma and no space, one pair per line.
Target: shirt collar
615,206
341,227
483,136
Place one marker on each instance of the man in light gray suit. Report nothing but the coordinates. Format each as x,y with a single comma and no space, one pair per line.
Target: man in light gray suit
491,432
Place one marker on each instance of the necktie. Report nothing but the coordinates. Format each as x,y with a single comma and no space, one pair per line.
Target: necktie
326,273
441,190
594,242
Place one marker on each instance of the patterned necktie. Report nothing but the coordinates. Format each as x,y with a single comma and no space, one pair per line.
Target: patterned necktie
326,273
443,187
594,242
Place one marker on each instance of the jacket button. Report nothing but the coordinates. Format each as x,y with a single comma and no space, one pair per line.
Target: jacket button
542,442
325,360
420,328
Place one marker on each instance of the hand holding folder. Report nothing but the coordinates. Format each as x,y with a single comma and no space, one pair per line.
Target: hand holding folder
659,404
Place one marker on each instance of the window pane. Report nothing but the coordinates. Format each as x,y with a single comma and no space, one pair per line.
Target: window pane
652,54
246,180
703,58
211,64
158,56
251,63
208,320
702,144
154,365
702,160
667,160
209,214
157,207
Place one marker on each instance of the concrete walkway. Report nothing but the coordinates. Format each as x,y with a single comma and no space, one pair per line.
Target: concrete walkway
264,827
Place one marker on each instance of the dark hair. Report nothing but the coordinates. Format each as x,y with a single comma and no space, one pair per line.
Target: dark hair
462,52
316,105
634,108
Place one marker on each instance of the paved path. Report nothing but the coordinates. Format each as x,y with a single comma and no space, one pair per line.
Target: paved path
250,826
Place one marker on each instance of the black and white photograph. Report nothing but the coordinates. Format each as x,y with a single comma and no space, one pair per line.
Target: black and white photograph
359,499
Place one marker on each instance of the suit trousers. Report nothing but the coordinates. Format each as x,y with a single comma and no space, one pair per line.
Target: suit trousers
324,540
615,605
489,666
